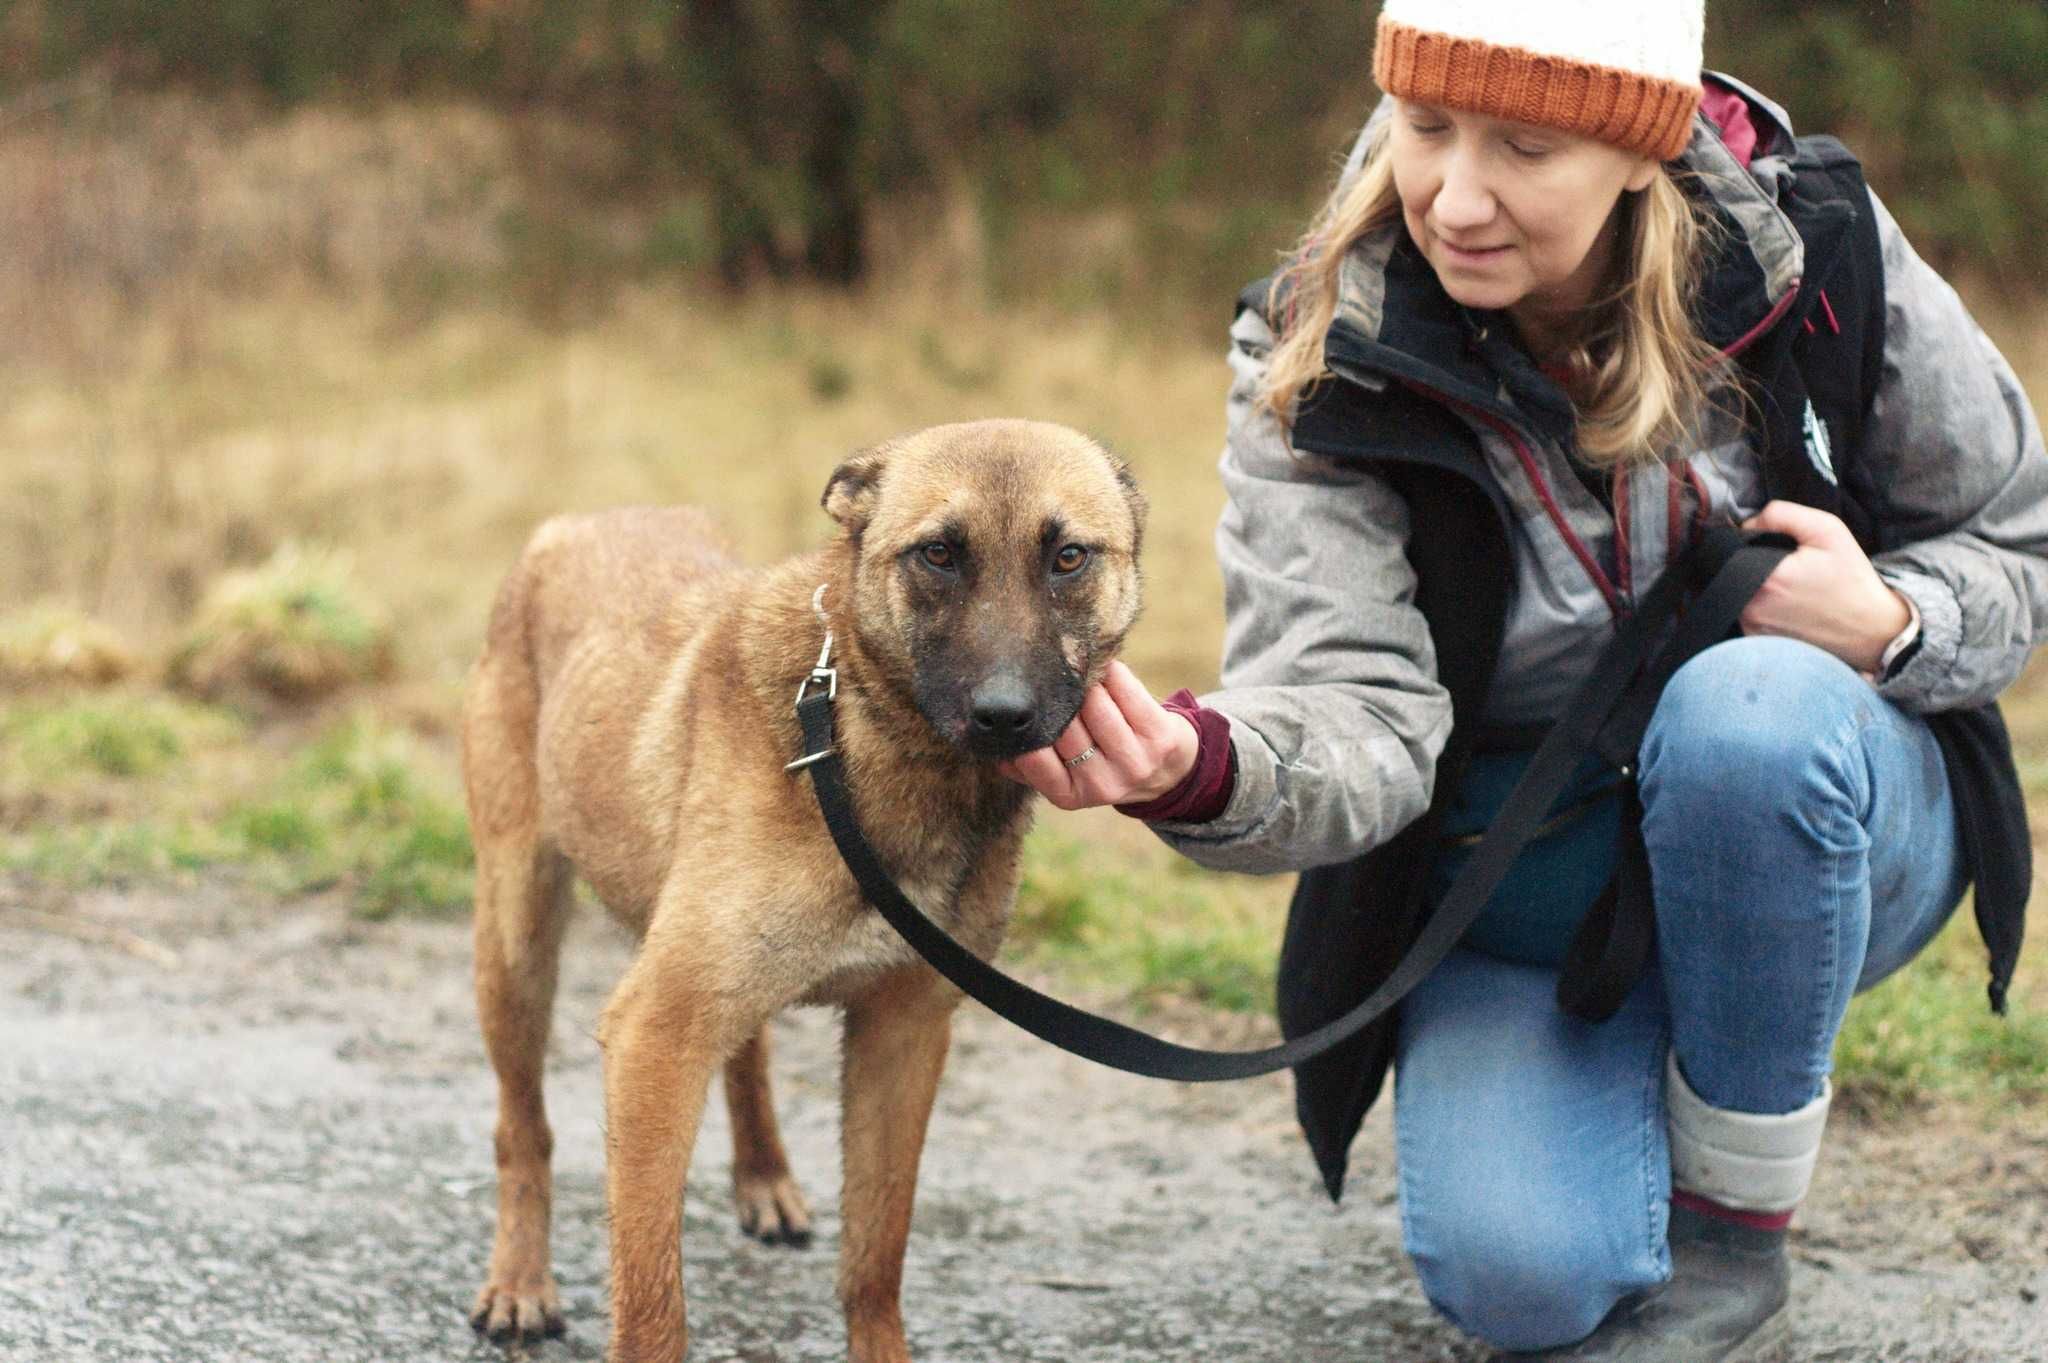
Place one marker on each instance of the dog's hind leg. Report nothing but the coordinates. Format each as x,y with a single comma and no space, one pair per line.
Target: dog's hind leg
771,1206
522,892
515,990
896,1040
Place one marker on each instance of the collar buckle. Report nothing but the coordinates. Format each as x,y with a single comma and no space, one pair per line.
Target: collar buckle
822,674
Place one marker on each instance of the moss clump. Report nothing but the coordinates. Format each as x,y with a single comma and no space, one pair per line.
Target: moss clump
52,644
294,629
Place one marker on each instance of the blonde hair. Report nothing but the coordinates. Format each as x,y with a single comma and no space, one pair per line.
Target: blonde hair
1642,375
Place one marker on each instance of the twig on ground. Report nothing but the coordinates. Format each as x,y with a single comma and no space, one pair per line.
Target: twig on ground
99,934
1073,1284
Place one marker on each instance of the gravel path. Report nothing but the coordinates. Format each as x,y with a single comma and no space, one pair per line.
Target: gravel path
278,1148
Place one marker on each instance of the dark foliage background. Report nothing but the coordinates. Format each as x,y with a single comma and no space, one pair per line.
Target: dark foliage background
783,124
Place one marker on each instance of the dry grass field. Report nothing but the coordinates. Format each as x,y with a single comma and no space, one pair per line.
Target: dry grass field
222,336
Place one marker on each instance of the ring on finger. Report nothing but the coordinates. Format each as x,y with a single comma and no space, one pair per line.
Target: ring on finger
1082,756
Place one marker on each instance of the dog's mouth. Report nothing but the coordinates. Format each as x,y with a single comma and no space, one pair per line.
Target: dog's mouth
997,721
996,748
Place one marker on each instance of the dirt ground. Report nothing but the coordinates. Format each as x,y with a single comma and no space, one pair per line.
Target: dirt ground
274,1144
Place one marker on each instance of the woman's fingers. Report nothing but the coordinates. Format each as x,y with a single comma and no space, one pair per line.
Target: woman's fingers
1805,524
1112,736
1826,593
1133,745
1146,716
1075,738
1043,771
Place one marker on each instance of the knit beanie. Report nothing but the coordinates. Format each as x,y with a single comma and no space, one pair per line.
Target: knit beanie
1625,72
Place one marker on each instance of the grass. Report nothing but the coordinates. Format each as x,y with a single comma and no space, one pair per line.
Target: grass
432,452
151,788
365,802
1140,920
1929,1032
126,786
53,741
110,852
292,628
52,643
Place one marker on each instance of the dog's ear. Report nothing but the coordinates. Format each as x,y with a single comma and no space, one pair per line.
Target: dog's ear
850,491
1133,498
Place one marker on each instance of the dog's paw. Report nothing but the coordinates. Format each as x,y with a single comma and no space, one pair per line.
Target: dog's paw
527,1311
772,1210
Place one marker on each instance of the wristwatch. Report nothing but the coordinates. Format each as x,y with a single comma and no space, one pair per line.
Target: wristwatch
1904,645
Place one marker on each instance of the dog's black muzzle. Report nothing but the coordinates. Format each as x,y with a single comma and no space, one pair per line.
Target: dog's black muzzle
1006,715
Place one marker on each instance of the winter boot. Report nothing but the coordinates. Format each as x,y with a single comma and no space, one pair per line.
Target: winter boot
1735,1178
1725,1302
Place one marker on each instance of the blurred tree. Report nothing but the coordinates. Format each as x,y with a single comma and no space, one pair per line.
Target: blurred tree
1216,121
1946,101
770,112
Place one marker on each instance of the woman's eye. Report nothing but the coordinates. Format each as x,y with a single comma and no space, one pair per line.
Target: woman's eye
1070,559
1528,153
937,554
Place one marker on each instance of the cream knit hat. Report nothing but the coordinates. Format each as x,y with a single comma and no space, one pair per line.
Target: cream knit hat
1625,72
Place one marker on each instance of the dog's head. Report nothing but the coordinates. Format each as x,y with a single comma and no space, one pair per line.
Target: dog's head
995,573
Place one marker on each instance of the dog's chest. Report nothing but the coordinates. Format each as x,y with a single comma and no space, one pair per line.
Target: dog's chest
948,892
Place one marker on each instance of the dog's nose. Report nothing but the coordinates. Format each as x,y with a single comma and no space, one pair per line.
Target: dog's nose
1001,708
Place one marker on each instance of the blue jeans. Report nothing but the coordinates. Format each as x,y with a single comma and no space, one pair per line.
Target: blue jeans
1802,846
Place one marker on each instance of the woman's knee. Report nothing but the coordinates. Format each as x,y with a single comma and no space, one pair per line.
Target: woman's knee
1753,724
1531,1151
1523,1284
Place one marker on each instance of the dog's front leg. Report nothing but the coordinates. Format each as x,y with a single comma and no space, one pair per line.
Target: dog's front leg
662,1037
896,1039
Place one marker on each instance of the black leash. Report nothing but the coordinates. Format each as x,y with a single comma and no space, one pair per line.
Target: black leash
1608,714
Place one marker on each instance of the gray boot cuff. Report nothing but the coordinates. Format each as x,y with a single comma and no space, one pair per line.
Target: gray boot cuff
1741,1160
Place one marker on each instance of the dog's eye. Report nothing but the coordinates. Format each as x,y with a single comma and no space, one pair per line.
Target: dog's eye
938,554
1070,559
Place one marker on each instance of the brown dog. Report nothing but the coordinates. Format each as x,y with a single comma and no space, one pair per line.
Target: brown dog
629,721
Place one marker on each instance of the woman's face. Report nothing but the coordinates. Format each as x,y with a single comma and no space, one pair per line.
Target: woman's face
1511,216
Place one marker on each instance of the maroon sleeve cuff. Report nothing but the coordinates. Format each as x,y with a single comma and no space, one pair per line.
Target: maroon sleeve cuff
1205,791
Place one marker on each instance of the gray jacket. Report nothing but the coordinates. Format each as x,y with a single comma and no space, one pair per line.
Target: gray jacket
1329,679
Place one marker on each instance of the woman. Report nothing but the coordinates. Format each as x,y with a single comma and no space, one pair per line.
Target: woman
1534,293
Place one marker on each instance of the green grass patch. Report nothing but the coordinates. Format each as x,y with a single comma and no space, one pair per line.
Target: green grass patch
1929,1032
1146,922
360,804
114,852
367,805
426,864
114,787
276,826
105,735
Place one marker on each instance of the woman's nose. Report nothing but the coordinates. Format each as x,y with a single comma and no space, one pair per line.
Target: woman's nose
1463,201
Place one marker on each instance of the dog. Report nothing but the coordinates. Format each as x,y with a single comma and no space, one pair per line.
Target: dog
629,721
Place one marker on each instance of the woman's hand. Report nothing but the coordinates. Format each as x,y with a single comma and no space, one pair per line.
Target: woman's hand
1138,750
1826,592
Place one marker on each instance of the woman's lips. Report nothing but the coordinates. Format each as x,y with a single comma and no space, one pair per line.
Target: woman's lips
1465,255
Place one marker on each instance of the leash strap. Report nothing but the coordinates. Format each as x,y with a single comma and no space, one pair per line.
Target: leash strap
1599,699
1614,941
